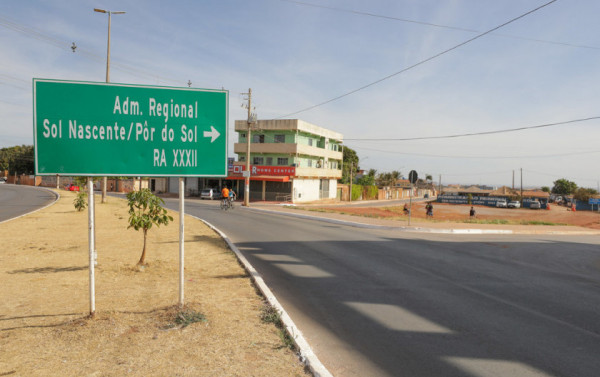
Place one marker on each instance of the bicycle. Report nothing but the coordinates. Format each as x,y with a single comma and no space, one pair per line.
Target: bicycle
226,204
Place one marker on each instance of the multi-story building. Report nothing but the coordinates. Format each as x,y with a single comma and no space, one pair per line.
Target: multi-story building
290,160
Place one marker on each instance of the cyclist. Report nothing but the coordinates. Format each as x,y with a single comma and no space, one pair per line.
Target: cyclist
232,197
224,197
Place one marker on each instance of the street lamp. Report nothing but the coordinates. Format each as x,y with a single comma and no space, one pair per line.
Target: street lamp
108,45
104,179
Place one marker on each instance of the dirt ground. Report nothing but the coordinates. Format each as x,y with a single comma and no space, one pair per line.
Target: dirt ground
44,301
454,212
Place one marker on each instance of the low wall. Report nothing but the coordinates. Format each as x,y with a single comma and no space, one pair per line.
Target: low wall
489,201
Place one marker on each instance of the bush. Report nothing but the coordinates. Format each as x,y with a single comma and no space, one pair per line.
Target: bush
356,192
80,201
370,192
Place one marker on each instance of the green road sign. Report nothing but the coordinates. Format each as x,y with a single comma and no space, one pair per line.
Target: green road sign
101,129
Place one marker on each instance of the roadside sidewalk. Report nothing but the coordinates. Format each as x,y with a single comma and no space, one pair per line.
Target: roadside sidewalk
417,225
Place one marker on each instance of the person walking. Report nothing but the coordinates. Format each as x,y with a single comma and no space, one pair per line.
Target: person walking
472,212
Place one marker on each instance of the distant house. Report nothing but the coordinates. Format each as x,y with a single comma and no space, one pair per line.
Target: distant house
505,192
537,194
464,191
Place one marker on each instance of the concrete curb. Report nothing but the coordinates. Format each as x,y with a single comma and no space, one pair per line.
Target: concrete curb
306,354
56,197
371,226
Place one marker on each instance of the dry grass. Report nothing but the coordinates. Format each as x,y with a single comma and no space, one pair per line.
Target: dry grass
44,302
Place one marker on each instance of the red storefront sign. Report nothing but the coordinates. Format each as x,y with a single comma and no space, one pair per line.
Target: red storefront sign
266,170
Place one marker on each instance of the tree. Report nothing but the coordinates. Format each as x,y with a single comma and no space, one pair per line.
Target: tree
584,194
545,189
350,164
564,187
366,180
18,159
428,178
396,175
145,210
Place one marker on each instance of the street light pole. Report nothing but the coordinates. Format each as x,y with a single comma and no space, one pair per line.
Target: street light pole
104,179
248,141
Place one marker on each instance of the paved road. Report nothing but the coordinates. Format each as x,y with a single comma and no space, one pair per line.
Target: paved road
387,303
17,200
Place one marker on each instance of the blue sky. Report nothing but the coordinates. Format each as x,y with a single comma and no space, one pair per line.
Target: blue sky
538,70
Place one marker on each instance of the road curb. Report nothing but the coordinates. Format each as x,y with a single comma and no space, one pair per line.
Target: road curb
306,354
372,226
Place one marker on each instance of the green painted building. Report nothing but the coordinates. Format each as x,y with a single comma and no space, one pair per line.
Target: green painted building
290,159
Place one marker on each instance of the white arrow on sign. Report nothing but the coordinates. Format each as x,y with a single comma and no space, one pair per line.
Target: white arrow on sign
213,134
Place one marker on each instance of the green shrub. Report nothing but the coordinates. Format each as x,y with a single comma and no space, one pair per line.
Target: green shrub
80,201
356,192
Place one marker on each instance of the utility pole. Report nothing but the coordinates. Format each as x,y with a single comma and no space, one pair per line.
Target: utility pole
513,185
440,184
521,187
351,168
248,141
104,179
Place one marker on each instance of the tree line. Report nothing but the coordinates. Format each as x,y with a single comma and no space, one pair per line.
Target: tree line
17,160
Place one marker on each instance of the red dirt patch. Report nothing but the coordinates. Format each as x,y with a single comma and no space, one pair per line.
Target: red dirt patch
453,212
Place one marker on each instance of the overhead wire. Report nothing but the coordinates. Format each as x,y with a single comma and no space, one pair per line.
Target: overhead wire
434,25
479,156
62,44
477,133
420,62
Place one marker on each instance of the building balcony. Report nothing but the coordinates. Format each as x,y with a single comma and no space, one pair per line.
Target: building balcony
318,173
289,149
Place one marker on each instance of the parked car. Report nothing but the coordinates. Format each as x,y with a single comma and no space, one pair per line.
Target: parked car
514,204
2,179
71,187
535,205
501,203
210,194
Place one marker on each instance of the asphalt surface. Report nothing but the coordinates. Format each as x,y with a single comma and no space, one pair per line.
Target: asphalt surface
17,200
374,302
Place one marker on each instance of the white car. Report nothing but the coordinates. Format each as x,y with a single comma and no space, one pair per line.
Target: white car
535,205
501,203
514,204
210,194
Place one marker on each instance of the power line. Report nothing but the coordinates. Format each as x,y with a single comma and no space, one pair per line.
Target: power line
419,63
559,176
44,37
435,25
476,133
479,157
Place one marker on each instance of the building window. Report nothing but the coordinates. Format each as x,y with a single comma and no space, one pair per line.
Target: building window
310,142
242,158
243,136
309,163
258,139
269,161
280,138
282,161
258,161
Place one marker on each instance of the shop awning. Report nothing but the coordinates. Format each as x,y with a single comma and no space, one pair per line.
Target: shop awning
269,178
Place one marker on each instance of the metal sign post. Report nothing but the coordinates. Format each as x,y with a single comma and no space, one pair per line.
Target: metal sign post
181,237
410,203
412,177
92,242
